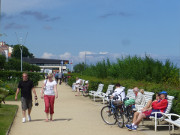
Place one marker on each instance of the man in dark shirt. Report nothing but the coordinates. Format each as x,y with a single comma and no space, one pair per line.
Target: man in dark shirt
26,87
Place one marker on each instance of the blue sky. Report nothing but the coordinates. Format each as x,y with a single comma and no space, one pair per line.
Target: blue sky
66,29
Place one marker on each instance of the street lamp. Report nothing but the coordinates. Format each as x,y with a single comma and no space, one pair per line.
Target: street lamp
21,48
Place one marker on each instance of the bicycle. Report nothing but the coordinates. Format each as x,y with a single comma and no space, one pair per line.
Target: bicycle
112,114
116,112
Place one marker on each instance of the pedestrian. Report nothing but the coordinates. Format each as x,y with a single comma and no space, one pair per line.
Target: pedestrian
26,87
56,77
60,78
49,92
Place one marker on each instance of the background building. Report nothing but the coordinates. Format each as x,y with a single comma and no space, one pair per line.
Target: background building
48,65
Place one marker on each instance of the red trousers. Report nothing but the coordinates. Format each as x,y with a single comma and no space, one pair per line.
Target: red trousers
49,103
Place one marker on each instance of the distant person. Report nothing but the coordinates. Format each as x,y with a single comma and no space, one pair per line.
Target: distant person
49,92
60,78
45,75
78,84
26,87
85,88
57,77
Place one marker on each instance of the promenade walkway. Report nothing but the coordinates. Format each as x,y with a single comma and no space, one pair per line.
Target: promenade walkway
73,116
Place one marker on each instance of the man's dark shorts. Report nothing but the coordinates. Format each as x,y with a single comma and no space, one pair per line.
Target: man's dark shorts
26,103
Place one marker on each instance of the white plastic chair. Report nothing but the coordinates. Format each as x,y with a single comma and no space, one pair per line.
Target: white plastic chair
148,96
130,94
103,95
99,90
172,122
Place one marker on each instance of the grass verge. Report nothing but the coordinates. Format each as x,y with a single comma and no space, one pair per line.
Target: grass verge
7,113
12,97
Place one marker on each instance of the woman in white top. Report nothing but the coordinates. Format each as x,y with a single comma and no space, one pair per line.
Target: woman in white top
49,92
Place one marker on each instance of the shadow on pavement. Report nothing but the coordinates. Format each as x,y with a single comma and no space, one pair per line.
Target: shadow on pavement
53,120
63,119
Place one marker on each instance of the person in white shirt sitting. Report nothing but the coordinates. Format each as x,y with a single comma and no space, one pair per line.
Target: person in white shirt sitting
77,86
119,93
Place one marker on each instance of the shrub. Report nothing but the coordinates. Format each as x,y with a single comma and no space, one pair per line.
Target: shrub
15,64
17,76
136,68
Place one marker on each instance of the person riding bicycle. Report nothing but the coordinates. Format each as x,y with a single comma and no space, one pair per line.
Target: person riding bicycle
119,94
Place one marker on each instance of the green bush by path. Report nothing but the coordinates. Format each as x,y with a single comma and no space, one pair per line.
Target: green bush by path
7,113
15,64
17,76
135,68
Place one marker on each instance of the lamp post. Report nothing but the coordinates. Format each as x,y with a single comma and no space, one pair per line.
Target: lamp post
21,47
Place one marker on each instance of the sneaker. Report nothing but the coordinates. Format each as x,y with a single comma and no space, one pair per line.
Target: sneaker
29,118
129,127
134,128
23,120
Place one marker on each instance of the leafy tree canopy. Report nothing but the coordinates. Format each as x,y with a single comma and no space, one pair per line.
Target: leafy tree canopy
79,68
16,53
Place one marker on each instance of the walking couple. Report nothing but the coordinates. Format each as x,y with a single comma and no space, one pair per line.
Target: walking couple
48,93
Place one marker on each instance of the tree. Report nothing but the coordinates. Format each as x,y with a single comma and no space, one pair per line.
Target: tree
16,53
79,68
2,61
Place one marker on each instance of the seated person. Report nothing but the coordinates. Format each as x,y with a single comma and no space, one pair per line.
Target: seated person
142,91
77,86
149,103
157,106
139,97
85,87
119,93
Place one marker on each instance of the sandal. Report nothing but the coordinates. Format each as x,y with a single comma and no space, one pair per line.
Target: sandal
46,120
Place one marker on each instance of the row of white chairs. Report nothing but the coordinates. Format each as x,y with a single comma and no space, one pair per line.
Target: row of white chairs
100,94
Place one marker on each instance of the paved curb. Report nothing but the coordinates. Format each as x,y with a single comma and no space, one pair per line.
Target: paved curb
8,131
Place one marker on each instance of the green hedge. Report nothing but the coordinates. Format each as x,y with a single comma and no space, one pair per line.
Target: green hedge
17,76
129,84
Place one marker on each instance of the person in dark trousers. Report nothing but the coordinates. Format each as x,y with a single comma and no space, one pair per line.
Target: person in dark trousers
60,78
26,87
57,77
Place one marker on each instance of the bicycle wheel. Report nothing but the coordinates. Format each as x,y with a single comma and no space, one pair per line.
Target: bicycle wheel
120,118
128,115
108,116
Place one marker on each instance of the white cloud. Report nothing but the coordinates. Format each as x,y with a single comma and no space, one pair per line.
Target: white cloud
65,56
47,55
103,52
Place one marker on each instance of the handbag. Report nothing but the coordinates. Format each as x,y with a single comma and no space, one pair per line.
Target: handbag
36,102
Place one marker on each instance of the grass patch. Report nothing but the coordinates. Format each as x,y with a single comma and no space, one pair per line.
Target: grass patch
12,97
7,113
